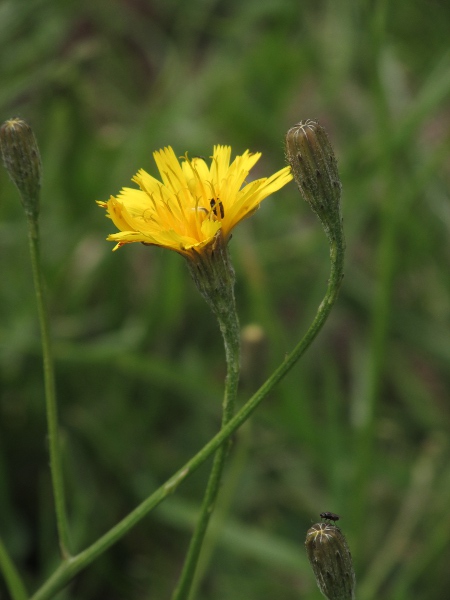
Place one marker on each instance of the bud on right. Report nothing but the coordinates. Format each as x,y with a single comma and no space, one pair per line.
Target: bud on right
314,167
331,561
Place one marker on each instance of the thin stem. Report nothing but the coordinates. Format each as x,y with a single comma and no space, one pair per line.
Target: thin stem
13,580
50,394
229,486
74,565
229,326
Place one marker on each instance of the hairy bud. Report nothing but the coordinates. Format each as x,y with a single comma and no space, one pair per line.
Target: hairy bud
21,157
314,167
331,561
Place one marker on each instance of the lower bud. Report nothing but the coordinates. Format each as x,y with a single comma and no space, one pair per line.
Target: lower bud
331,561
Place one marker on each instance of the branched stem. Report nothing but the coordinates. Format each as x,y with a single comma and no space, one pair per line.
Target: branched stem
229,326
74,565
50,394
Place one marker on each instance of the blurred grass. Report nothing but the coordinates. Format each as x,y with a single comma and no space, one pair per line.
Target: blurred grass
361,426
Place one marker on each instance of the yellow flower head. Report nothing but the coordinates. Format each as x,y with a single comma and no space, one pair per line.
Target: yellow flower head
193,202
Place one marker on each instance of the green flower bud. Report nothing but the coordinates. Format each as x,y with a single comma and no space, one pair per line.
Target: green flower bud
314,166
331,561
21,157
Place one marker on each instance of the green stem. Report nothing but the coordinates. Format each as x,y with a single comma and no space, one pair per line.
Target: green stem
50,394
12,578
229,325
221,510
74,565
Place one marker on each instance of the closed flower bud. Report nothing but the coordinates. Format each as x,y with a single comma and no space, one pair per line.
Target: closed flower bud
314,167
331,561
21,157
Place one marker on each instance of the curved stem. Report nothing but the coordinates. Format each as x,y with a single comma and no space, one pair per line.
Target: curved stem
50,394
74,565
13,580
229,326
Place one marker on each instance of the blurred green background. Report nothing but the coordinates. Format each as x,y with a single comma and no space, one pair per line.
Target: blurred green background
360,427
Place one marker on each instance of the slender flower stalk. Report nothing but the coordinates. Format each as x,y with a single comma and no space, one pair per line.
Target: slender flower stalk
252,355
21,158
50,394
193,211
223,305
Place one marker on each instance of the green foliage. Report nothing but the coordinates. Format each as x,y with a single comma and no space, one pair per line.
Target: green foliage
359,427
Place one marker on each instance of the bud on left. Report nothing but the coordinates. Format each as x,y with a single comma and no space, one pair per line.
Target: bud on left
21,157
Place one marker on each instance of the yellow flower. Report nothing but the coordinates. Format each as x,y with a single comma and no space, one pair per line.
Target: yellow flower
193,202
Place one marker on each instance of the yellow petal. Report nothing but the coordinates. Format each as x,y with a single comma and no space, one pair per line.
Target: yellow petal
192,202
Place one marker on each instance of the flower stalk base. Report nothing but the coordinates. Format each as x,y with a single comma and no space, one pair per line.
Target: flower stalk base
213,274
